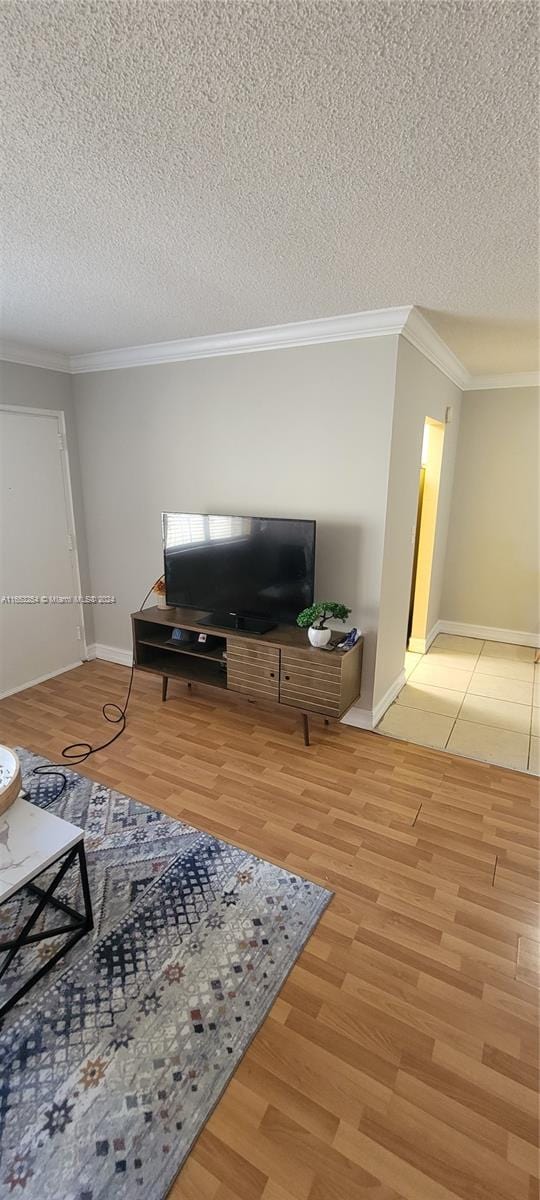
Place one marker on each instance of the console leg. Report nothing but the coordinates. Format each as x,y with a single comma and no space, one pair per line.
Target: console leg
189,685
164,686
305,722
326,721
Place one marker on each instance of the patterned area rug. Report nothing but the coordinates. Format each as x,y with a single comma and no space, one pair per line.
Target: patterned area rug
113,1062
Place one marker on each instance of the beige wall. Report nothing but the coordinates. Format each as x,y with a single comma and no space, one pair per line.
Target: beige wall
302,432
332,432
22,386
421,391
491,576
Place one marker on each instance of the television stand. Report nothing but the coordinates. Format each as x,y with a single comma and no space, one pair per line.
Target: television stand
235,621
280,670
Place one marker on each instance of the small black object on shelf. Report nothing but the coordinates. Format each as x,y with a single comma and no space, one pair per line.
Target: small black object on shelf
189,639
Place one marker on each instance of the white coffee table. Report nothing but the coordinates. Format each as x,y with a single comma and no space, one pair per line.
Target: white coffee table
31,840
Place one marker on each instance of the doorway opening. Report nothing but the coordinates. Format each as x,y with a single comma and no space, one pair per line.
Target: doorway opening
426,527
39,551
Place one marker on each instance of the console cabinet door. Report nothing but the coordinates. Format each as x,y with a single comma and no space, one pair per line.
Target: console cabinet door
253,669
309,683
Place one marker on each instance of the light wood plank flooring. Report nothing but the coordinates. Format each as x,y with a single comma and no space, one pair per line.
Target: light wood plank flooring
400,1057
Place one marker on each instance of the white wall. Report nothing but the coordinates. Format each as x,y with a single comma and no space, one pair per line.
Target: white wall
421,391
302,432
22,386
491,576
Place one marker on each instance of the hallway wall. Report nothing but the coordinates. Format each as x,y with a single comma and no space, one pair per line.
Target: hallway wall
492,563
421,391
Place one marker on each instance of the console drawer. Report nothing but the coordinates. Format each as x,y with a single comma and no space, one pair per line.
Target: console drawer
310,689
253,670
246,651
322,675
329,662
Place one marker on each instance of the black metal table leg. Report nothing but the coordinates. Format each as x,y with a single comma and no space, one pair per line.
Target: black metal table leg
81,923
89,916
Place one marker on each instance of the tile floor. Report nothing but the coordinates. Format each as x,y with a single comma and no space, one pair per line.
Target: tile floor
479,699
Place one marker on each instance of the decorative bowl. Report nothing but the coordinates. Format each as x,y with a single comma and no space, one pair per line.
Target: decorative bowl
10,777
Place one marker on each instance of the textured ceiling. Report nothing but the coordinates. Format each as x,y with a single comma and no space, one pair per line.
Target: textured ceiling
179,168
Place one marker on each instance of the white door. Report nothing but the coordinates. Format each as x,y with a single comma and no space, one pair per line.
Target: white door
37,551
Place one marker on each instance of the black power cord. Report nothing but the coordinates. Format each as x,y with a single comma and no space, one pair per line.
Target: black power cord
79,752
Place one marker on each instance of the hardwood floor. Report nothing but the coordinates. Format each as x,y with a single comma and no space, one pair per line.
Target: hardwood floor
400,1057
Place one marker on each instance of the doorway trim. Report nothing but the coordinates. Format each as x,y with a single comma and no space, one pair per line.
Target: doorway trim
60,417
421,637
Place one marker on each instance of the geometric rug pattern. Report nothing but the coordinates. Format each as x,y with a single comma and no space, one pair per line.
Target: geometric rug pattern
112,1063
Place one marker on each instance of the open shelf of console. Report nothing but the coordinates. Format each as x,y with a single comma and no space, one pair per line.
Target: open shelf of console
163,643
175,666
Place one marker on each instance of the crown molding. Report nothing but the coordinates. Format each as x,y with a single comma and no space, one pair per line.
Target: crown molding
478,383
422,335
381,322
29,356
376,323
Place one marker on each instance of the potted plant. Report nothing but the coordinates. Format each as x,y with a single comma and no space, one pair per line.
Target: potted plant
160,593
315,617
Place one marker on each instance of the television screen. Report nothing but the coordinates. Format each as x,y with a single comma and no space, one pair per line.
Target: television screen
247,566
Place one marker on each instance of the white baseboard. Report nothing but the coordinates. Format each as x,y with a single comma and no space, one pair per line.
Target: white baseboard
421,645
111,654
388,698
367,718
488,633
40,679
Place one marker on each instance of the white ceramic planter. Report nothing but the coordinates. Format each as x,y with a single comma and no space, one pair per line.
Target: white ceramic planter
319,637
161,600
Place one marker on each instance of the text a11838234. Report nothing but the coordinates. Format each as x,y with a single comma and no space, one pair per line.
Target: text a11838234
37,599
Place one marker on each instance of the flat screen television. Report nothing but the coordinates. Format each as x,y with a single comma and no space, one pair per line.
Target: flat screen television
247,573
